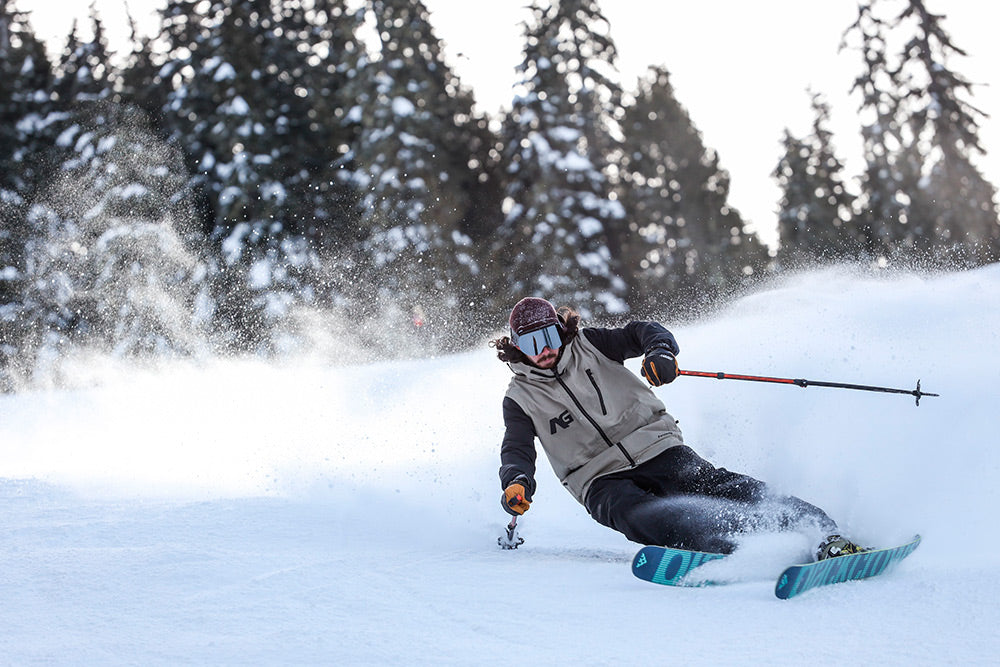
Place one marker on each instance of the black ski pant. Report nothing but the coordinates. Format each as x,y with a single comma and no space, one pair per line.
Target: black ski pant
679,499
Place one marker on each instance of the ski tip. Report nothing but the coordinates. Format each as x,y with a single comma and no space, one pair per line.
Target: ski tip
641,559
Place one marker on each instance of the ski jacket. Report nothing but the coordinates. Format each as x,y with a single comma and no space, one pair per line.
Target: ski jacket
592,415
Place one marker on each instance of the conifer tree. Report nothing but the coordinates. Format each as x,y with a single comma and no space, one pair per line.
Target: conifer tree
25,112
326,32
106,264
239,106
563,225
85,73
882,213
955,205
815,216
412,167
25,115
83,80
227,103
139,82
685,242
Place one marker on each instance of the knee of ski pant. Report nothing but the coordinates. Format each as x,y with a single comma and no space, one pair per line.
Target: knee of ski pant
609,500
637,515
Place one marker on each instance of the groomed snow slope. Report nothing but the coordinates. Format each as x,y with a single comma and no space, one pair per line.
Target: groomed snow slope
241,512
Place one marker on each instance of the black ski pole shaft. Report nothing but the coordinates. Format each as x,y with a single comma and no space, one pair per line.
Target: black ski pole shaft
799,382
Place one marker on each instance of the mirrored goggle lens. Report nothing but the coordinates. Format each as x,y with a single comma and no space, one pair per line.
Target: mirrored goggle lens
533,342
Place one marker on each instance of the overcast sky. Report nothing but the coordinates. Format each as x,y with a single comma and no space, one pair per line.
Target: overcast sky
741,102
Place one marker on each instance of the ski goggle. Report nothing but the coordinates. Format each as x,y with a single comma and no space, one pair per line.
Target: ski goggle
533,342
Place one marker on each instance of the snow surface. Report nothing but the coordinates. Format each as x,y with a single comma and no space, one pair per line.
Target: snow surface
244,512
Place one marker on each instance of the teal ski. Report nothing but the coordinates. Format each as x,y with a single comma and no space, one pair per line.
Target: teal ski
798,579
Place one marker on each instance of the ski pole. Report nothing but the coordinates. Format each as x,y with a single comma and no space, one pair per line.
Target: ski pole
809,383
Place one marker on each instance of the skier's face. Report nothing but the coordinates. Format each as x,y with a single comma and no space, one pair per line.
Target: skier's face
541,346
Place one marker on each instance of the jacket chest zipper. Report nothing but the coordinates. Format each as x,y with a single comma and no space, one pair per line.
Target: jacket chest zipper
594,423
600,396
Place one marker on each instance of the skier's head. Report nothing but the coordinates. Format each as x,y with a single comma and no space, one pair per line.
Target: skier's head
535,325
531,314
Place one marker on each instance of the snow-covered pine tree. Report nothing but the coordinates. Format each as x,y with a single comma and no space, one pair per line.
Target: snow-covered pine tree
563,224
814,219
25,82
412,168
105,263
239,106
686,243
882,208
80,80
84,72
326,32
25,111
138,80
107,266
954,205
25,108
83,78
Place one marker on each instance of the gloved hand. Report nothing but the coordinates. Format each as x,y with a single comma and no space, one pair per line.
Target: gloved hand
515,498
659,367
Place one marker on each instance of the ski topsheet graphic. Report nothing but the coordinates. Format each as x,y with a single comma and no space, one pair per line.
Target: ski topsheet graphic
663,565
800,578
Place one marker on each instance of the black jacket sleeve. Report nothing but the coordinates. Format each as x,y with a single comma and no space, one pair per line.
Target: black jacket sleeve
633,340
517,453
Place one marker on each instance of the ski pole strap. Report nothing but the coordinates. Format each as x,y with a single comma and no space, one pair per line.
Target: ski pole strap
799,382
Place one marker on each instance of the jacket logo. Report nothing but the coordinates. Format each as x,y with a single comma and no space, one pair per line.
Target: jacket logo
562,421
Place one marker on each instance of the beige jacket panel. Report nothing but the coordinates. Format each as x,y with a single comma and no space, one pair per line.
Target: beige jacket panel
592,415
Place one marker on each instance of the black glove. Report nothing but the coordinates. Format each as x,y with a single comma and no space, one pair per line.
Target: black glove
516,497
660,366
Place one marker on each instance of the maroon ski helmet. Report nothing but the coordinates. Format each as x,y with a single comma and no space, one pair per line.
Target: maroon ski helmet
531,314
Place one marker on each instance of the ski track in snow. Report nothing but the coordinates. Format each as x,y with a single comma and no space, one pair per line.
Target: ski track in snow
254,513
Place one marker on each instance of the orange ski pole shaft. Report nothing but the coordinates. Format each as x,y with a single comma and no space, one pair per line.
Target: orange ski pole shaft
800,382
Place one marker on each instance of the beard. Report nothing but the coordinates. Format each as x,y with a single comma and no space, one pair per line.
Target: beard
546,359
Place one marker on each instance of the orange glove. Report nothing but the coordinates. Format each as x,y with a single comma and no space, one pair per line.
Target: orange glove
515,498
660,367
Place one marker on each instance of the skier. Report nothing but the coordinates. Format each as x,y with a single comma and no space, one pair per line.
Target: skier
615,448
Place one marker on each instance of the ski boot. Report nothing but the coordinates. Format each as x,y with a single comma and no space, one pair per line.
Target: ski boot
835,545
